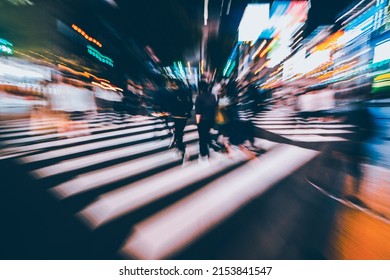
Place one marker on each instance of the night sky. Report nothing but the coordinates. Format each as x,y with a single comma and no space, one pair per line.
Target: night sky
324,12
171,27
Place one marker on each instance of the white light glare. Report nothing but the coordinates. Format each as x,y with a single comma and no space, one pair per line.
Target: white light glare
253,22
19,72
381,52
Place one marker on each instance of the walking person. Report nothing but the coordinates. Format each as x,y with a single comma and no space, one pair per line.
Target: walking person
250,99
205,109
181,108
238,129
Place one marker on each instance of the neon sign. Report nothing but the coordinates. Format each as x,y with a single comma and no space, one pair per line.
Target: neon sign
102,58
5,46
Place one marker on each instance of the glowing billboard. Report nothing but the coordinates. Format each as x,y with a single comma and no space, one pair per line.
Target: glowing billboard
253,22
381,52
317,59
277,54
296,65
285,14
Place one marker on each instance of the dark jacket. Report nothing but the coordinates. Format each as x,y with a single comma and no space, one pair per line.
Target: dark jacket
206,106
181,103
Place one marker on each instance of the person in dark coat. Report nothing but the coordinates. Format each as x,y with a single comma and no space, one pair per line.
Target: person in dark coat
181,108
239,130
205,109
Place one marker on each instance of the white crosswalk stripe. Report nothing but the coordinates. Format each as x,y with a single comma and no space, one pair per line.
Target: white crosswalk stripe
293,127
90,130
84,161
127,166
211,205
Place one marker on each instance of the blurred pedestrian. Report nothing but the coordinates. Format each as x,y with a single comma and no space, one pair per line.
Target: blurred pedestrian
250,101
239,130
222,120
181,108
205,108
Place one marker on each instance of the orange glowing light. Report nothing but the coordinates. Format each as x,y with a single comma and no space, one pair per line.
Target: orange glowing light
97,78
269,46
85,35
107,86
75,72
329,42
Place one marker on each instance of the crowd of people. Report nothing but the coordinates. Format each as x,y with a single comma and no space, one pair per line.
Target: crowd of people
216,113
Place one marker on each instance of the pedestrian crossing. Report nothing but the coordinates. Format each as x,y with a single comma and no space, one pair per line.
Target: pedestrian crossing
291,126
209,206
126,167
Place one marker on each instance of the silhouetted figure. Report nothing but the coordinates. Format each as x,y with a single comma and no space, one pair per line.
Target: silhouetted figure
239,130
205,108
181,108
